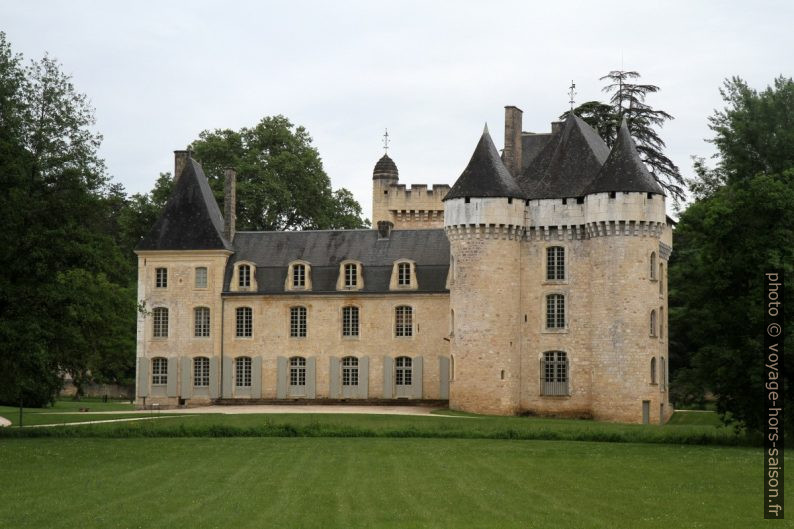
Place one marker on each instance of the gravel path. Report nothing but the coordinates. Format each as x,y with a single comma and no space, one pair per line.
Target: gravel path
280,408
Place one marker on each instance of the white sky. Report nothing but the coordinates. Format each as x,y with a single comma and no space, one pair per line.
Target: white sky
158,73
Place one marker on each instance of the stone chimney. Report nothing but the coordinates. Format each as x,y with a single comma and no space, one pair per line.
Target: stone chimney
556,126
180,161
229,203
384,229
512,151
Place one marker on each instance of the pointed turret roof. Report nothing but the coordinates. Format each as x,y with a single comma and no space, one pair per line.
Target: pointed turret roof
486,175
191,219
624,170
385,168
567,164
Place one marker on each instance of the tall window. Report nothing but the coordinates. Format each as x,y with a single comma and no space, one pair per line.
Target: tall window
244,276
554,373
404,274
653,323
201,317
404,321
653,370
555,311
242,371
160,319
297,322
349,321
299,276
653,265
661,279
297,371
201,372
661,322
161,277
351,275
201,277
159,371
350,371
245,318
555,263
403,372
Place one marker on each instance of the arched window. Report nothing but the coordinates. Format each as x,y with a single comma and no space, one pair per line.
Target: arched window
350,321
404,321
298,276
403,371
555,263
661,279
201,322
351,275
297,371
160,321
661,322
350,371
653,370
653,323
159,371
245,320
555,311
653,265
244,276
554,373
404,274
242,371
297,322
201,372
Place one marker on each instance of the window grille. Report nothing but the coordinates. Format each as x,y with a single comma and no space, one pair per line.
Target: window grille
201,372
404,321
297,322
349,321
403,371
244,276
201,277
299,276
297,371
160,319
404,274
161,278
202,322
244,322
554,373
242,372
350,371
159,371
351,275
555,311
555,263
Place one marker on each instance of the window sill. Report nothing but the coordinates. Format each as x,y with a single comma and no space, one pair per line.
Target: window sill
297,337
159,338
554,331
243,338
559,397
351,338
555,282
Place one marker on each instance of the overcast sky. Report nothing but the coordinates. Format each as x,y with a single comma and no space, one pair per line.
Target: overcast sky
160,72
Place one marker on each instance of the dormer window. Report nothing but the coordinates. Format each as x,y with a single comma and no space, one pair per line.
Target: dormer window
403,275
351,275
298,276
244,276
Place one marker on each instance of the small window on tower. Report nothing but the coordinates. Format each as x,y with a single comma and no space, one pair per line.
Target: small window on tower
467,200
612,194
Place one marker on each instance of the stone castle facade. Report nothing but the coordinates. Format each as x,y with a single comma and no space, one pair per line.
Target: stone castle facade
535,284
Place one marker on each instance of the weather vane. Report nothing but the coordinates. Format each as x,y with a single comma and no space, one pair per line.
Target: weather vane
572,93
386,141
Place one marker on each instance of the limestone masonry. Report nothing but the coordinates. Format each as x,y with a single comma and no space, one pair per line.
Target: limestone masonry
535,284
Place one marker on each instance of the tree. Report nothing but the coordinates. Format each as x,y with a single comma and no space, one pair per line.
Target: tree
628,100
281,184
740,225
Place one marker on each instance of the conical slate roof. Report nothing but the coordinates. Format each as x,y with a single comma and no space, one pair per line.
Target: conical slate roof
385,168
567,164
624,170
486,175
191,219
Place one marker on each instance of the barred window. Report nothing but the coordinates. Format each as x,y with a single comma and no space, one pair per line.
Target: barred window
554,373
244,322
555,311
297,371
653,370
242,371
349,321
159,371
404,274
201,372
351,275
201,316
297,322
350,371
161,277
201,277
555,263
160,319
403,371
299,276
653,265
653,323
404,321
244,276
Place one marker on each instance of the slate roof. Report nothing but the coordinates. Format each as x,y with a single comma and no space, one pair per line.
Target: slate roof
272,252
567,164
385,168
486,175
191,219
531,145
624,170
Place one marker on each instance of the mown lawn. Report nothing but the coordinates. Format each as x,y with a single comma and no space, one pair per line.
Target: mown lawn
374,482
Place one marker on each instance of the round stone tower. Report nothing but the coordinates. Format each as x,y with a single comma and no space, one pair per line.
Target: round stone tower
384,176
484,221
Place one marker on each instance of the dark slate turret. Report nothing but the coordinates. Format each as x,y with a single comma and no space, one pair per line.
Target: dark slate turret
567,164
385,169
486,175
624,170
191,219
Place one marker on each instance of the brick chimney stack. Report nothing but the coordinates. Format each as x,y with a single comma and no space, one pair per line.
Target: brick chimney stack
180,161
512,151
229,203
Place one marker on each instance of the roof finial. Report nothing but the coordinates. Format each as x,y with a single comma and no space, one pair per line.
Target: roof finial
386,142
572,93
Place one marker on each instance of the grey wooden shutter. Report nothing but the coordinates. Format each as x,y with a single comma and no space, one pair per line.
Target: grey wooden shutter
388,377
443,377
416,376
311,369
256,377
363,377
333,378
226,382
214,377
173,371
143,376
281,378
187,368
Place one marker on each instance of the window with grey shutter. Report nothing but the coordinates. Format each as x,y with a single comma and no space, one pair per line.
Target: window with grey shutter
554,373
